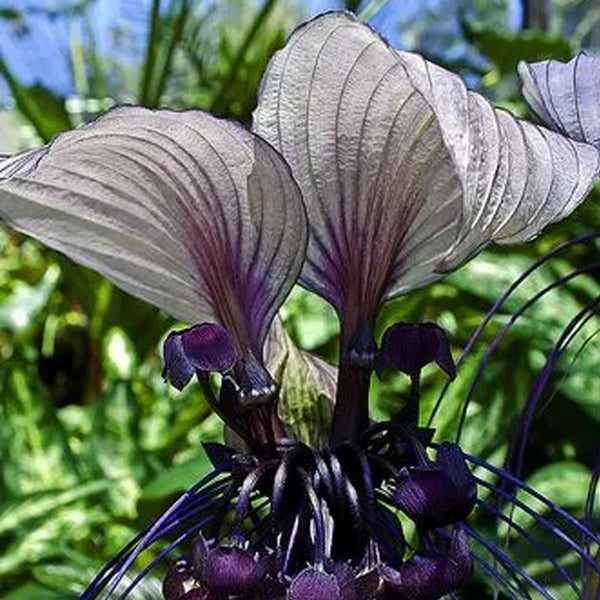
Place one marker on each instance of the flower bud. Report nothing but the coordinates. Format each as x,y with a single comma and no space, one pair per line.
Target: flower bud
232,570
438,495
430,577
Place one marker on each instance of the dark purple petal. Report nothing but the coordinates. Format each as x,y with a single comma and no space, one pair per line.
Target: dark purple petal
209,347
178,574
346,579
431,577
408,347
438,495
273,588
312,584
177,370
220,456
232,570
204,347
424,495
451,460
367,585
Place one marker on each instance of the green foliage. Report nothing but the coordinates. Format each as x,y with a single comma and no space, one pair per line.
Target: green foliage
506,49
43,109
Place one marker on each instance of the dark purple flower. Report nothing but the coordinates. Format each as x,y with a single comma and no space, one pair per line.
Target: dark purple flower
205,347
405,174
430,577
440,494
408,347
233,570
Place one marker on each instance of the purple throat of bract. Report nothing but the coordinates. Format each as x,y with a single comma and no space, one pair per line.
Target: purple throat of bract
368,173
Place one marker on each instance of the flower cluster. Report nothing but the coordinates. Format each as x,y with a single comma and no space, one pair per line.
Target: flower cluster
369,173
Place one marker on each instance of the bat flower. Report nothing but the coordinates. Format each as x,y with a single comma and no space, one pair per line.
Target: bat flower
404,174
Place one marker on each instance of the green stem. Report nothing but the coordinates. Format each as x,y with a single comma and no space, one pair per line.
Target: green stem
151,53
371,10
165,69
241,54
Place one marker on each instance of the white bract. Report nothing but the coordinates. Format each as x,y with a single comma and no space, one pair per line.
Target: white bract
404,172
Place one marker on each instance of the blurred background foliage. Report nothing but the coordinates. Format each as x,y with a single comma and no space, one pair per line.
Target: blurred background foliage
93,444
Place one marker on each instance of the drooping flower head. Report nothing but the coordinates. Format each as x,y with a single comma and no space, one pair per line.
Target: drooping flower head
405,174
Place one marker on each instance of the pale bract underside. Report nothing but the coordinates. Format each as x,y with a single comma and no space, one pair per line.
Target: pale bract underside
191,213
565,96
405,173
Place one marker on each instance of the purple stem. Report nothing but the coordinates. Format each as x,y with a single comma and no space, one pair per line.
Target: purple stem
589,512
317,515
542,520
496,575
181,538
351,412
366,476
241,510
93,589
502,299
177,519
521,436
291,542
